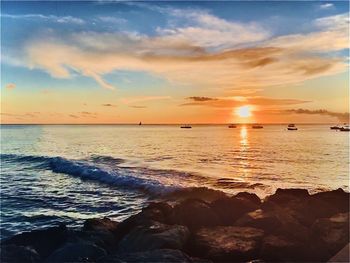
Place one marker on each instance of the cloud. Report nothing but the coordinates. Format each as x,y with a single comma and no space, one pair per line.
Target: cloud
51,18
201,98
236,101
327,6
194,55
143,99
112,19
343,117
10,86
73,116
138,107
109,105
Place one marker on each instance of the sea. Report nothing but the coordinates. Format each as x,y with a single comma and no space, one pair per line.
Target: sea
53,174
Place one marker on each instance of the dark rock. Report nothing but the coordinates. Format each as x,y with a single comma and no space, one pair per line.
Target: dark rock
77,252
18,254
333,233
342,255
249,196
101,238
265,220
43,241
202,193
155,236
157,211
284,196
326,204
281,249
227,243
158,255
104,224
193,213
231,208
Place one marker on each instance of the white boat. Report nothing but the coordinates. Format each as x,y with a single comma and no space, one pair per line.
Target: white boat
292,127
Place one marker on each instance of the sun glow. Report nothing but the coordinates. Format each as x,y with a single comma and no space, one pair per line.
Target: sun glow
244,111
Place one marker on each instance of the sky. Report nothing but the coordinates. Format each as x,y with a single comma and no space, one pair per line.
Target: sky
175,62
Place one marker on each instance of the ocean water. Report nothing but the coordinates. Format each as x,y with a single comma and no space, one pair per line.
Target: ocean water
68,173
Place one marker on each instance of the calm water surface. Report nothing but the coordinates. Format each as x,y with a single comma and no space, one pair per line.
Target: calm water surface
64,173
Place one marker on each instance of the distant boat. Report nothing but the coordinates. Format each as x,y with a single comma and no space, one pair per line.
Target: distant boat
291,127
336,127
186,126
140,123
232,126
257,126
345,128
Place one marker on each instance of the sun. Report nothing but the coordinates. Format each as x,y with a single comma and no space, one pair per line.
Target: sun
244,111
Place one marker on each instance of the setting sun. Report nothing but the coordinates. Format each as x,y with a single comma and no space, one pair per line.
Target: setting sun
244,111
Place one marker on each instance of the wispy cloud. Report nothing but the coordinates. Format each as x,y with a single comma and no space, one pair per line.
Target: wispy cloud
109,105
138,107
51,18
143,99
327,6
10,86
236,101
207,57
342,116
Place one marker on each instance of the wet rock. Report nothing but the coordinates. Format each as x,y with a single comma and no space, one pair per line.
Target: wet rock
44,242
202,193
249,196
96,224
18,254
227,243
281,249
77,252
193,213
155,236
333,232
265,220
229,209
157,211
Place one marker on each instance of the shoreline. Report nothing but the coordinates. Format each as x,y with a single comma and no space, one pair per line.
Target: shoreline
289,225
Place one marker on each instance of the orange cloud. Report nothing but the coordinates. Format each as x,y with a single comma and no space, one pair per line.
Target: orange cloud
10,86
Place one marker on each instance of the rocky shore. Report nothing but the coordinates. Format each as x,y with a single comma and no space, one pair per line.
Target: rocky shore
290,225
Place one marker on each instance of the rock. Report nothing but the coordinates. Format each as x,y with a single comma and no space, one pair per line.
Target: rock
342,255
227,243
265,220
158,255
202,193
102,238
104,224
281,249
18,254
284,196
44,242
77,252
249,196
326,204
193,213
155,236
231,208
333,232
157,211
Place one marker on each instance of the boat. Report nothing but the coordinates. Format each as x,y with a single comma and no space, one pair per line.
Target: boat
232,126
291,127
186,126
257,126
345,128
336,127
140,123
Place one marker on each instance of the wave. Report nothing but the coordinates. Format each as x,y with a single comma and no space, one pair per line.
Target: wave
118,177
